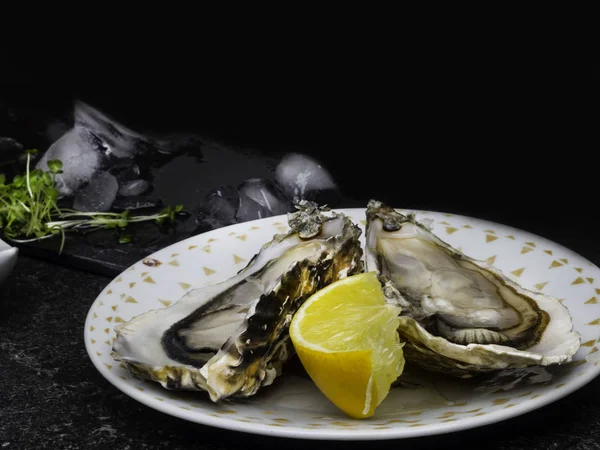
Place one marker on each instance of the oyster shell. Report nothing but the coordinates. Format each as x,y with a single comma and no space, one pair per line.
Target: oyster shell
461,315
231,338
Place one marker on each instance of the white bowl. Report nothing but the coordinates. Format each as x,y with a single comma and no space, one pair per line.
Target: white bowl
8,259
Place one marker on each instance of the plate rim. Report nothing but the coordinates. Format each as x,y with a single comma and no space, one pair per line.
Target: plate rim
342,434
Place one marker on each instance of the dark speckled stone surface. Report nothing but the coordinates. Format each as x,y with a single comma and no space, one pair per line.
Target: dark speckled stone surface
52,397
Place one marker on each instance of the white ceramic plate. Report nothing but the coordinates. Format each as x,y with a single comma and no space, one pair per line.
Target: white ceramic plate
292,406
8,259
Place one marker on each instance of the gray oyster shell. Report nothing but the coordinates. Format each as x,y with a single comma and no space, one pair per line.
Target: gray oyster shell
459,315
231,338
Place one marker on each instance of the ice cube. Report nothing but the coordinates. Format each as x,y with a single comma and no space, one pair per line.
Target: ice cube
98,195
82,155
267,194
225,205
250,210
119,140
125,142
303,178
9,148
134,187
219,207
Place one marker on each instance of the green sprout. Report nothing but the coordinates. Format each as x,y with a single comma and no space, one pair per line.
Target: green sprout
29,210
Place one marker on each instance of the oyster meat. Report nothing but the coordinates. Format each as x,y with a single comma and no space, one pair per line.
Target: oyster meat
231,338
460,315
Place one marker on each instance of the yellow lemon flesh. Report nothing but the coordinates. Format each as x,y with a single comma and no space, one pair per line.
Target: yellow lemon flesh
346,338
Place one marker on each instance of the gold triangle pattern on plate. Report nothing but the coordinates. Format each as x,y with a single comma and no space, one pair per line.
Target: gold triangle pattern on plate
526,249
174,255
491,259
166,303
578,269
554,264
565,260
130,299
590,280
132,284
490,231
444,223
206,248
530,243
518,272
192,247
241,237
540,286
589,343
578,280
208,270
185,285
451,230
591,301
526,394
238,259
548,251
119,320
174,263
468,226
490,238
510,236
149,280
594,322
211,240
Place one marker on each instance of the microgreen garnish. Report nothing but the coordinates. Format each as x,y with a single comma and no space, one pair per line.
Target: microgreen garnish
29,210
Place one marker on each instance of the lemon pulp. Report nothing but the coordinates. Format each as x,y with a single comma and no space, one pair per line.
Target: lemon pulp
346,338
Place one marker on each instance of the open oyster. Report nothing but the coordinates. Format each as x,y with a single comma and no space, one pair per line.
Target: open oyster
460,315
231,338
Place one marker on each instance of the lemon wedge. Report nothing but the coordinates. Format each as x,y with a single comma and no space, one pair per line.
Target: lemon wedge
346,338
